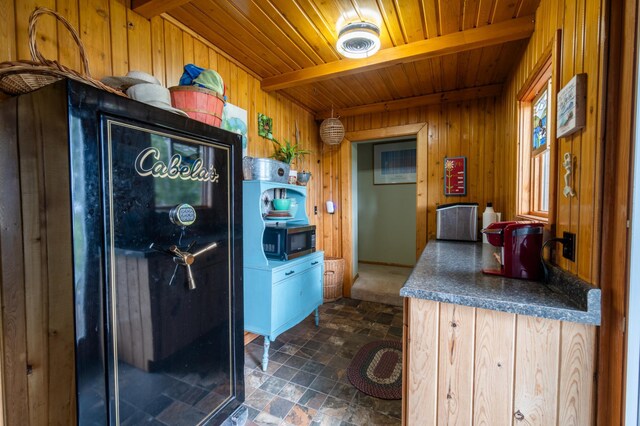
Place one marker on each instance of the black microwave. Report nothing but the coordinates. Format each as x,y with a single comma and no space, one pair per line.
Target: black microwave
286,241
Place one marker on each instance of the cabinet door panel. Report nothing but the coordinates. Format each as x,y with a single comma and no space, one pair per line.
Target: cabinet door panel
311,294
286,301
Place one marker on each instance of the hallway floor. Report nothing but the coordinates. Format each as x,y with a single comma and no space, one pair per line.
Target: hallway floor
306,383
380,283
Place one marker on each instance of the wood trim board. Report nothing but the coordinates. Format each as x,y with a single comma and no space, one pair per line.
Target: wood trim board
14,333
461,41
347,215
614,263
249,337
384,132
416,101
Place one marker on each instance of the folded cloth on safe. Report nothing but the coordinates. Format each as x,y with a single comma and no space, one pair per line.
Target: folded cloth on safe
195,76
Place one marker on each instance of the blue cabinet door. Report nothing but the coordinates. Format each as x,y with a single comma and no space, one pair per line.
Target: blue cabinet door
295,298
286,301
311,289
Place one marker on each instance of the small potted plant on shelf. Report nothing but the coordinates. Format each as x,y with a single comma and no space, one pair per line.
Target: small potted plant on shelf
303,177
288,153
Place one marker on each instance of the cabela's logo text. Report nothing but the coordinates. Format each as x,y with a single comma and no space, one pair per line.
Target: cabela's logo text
148,163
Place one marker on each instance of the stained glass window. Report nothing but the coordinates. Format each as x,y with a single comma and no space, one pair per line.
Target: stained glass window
540,113
540,154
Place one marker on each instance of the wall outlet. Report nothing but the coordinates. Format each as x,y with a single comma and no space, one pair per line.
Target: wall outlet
569,246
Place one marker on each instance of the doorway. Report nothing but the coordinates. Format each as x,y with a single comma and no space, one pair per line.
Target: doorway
348,220
384,217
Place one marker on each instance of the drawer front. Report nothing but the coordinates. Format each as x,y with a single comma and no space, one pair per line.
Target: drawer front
287,272
295,268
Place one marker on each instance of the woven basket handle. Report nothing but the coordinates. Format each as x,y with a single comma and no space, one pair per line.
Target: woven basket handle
33,47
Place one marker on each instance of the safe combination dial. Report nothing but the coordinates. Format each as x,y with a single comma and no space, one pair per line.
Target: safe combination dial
183,215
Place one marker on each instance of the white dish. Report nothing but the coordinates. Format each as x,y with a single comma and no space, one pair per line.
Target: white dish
279,217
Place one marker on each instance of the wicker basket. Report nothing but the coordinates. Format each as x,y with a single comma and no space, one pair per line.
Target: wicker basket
332,131
199,103
333,278
18,77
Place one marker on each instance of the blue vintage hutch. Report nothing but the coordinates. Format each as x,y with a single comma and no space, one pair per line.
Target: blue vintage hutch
277,294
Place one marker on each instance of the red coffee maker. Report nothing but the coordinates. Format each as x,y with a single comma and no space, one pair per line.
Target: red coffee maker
521,243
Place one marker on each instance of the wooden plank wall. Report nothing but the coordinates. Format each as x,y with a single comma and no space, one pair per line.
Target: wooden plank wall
583,26
475,366
582,39
117,40
454,129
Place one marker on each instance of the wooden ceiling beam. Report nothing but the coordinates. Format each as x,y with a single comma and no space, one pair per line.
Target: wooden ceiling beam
490,35
416,101
151,8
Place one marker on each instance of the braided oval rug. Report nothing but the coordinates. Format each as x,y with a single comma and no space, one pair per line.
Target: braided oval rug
377,369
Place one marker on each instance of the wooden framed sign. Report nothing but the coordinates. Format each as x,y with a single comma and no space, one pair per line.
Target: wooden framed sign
455,176
572,106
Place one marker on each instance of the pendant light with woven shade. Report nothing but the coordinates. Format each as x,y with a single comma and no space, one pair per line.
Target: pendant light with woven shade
332,130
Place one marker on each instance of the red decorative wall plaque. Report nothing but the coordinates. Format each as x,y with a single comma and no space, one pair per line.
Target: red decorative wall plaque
455,176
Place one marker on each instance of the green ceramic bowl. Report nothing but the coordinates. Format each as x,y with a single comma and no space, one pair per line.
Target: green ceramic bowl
281,203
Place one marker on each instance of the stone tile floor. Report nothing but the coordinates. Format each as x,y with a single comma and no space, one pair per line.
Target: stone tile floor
305,382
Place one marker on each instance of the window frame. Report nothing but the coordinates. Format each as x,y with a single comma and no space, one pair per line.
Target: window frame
546,68
535,155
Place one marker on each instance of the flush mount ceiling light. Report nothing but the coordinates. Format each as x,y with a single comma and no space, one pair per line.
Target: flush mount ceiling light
358,40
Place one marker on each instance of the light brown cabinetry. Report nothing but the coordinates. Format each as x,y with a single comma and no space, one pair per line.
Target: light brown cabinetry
467,366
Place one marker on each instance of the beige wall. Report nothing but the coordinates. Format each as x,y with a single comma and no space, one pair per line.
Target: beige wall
386,216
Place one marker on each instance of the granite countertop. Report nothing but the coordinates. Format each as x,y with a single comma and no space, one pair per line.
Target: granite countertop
451,272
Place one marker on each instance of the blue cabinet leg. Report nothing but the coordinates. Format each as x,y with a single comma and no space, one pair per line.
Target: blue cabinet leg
265,355
317,317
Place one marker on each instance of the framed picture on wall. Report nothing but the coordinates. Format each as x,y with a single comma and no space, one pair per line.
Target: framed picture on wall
265,126
234,119
394,163
455,176
572,105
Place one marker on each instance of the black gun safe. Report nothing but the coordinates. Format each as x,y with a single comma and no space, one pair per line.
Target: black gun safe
141,212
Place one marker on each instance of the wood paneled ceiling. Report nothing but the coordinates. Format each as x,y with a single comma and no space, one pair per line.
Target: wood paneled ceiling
432,50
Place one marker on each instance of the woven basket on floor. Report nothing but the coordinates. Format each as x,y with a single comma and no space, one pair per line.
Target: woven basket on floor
18,77
333,278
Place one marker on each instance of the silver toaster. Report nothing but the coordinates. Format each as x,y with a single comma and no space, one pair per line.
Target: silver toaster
457,221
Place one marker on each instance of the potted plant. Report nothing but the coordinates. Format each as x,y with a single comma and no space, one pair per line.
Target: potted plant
303,177
288,153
